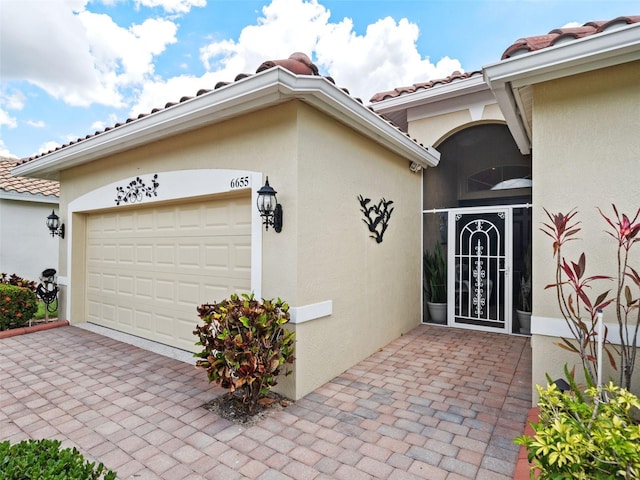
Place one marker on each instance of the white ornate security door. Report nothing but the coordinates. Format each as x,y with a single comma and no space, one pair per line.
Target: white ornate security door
479,259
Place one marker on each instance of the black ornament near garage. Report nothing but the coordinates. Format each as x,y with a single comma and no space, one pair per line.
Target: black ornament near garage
137,190
376,216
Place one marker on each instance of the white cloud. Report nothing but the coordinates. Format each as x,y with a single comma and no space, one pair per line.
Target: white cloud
386,56
5,152
13,101
572,25
101,125
7,120
158,93
172,6
48,146
38,124
76,55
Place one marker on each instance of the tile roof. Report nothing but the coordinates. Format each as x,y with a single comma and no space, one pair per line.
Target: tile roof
10,183
560,35
523,45
297,63
396,92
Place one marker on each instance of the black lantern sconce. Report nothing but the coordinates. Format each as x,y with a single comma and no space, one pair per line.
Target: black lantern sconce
54,225
269,208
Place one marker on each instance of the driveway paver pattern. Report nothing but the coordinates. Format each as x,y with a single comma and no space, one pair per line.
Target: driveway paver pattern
437,403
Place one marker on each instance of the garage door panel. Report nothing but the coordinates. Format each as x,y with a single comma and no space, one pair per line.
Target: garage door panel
188,256
148,269
188,293
125,316
165,254
125,285
144,254
126,254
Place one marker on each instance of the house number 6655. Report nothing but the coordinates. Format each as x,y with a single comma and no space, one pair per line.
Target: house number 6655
240,182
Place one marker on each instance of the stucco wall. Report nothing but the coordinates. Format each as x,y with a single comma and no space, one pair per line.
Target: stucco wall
26,246
263,142
433,129
324,252
374,287
586,152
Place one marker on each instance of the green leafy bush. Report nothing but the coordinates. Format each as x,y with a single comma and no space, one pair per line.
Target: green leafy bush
585,437
17,306
43,459
18,281
435,274
245,345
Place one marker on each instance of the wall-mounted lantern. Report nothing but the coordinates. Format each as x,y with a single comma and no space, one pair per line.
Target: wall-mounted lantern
269,208
54,225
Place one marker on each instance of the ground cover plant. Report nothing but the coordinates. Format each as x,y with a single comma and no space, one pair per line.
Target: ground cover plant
591,436
45,459
245,347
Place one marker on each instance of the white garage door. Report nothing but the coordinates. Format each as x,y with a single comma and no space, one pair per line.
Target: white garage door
149,268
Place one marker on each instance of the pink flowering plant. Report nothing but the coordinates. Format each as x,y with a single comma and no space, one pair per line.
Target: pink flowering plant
579,307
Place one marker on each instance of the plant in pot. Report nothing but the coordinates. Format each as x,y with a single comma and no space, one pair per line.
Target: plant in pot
523,309
435,276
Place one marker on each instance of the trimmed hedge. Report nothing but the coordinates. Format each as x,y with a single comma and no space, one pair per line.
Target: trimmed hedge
44,459
18,305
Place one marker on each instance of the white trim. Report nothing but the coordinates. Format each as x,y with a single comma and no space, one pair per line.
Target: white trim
438,93
310,312
601,50
174,185
557,327
143,343
28,197
271,87
475,103
488,208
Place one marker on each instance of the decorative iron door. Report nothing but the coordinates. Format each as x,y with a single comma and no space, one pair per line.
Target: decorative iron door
479,294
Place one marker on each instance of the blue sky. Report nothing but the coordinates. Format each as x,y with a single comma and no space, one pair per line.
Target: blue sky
78,66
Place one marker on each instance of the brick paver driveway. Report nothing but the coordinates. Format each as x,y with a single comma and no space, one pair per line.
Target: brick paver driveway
436,403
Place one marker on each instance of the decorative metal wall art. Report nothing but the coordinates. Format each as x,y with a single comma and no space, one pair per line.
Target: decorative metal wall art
137,190
376,216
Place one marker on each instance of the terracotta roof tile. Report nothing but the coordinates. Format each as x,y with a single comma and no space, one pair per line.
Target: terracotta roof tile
298,63
10,183
396,92
523,45
559,35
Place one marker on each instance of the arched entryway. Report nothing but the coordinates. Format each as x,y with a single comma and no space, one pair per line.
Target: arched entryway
476,210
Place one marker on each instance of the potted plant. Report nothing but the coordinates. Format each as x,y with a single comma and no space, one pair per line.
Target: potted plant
523,310
435,276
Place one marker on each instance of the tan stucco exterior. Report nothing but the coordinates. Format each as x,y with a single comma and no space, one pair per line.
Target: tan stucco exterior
432,130
585,155
324,252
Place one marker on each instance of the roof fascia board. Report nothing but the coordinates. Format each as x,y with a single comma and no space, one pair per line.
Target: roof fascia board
431,95
28,197
443,106
188,115
582,55
507,103
249,94
331,100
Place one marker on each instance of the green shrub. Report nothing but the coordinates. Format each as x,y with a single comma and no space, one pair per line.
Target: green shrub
245,345
17,306
18,281
44,460
588,437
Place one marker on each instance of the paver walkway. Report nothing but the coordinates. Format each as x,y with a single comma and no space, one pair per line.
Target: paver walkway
435,404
